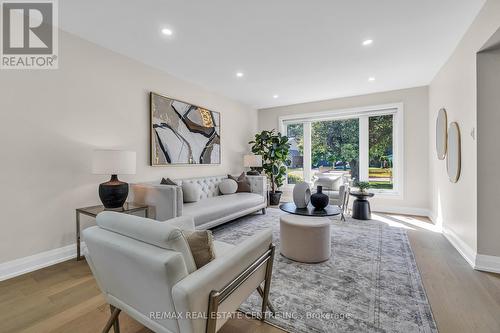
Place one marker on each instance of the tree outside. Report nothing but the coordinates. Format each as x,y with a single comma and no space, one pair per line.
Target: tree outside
335,144
380,152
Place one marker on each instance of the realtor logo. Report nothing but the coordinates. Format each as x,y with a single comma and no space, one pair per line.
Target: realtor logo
29,35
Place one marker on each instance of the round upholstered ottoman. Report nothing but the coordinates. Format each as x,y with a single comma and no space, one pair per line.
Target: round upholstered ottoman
305,239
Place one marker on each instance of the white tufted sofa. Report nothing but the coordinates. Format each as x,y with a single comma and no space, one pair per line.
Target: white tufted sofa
212,209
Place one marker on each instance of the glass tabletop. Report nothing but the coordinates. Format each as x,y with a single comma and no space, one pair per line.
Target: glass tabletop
127,208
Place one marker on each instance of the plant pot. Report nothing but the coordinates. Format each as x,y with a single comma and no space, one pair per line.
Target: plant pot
274,198
319,200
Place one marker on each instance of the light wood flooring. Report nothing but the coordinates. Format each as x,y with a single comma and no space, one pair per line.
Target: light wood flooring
65,297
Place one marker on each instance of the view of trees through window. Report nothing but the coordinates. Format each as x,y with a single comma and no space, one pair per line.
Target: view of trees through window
335,146
381,152
295,133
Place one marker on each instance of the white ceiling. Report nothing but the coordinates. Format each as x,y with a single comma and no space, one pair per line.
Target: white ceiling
302,50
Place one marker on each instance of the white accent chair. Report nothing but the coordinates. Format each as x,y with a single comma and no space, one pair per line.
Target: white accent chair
145,268
343,200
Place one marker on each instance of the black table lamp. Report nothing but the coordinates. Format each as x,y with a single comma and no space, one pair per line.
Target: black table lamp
113,193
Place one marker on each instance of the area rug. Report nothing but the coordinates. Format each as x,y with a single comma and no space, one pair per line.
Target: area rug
371,282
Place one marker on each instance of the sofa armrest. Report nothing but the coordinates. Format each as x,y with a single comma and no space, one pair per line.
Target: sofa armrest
165,200
191,294
258,184
182,222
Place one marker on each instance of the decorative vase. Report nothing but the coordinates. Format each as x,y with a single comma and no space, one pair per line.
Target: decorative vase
319,200
301,195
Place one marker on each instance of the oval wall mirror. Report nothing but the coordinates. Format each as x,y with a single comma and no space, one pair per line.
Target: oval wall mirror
454,155
441,134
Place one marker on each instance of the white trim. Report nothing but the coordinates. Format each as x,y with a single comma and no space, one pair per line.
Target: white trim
463,248
487,263
341,113
307,151
401,210
34,262
364,148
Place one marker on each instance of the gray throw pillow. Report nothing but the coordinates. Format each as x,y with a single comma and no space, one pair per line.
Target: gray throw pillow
168,181
228,186
190,192
201,244
243,183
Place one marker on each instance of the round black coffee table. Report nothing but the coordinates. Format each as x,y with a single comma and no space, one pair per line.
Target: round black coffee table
329,210
361,206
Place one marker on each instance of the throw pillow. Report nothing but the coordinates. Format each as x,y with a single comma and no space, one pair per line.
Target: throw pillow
243,183
190,192
168,181
228,186
201,243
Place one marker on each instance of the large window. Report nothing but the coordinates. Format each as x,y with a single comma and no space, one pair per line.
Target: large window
365,144
295,133
335,146
380,152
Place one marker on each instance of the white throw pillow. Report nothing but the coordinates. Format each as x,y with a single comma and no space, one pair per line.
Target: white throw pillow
190,192
228,186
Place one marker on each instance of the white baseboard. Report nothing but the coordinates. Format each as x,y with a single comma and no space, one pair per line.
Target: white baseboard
402,210
480,262
487,263
28,264
465,250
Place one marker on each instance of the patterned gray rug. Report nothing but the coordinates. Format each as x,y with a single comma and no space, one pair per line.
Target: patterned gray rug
370,283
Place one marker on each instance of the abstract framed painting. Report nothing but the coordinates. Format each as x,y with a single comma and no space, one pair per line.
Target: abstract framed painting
183,133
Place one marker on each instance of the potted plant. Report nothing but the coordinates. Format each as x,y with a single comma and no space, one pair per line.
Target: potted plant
363,186
273,147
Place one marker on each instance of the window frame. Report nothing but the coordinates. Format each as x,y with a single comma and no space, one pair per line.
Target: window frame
363,114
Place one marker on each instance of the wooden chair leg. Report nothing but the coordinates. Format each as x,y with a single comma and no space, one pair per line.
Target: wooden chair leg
113,320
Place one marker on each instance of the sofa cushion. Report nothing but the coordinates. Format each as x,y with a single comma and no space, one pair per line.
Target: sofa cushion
228,186
168,181
211,209
190,192
243,183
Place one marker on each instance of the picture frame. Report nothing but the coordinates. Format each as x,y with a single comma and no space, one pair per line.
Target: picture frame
182,133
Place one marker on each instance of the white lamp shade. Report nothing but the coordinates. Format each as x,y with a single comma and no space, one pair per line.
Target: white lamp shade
250,161
113,162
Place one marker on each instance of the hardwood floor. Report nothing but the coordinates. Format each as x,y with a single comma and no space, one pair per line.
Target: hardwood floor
65,297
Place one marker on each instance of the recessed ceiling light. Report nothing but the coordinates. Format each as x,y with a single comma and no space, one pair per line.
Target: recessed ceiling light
275,96
367,42
371,79
239,74
166,32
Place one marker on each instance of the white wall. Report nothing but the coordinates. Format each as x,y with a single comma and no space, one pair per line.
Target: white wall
50,121
416,189
488,158
455,205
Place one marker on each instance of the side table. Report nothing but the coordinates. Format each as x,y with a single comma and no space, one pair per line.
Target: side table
128,208
361,206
